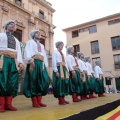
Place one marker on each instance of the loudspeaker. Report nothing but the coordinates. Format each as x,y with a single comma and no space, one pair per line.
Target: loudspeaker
108,80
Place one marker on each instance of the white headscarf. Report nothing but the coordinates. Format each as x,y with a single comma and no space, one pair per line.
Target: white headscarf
58,43
86,58
79,54
32,33
7,23
96,62
69,49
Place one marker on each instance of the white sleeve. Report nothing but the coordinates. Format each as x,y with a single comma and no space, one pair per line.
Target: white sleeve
19,55
27,53
65,61
89,73
101,71
69,63
96,72
45,58
89,69
3,40
54,63
80,66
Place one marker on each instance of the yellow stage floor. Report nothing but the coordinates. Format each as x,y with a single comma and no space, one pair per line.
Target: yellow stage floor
53,111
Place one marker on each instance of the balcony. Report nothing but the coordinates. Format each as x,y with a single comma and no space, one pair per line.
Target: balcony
19,3
41,15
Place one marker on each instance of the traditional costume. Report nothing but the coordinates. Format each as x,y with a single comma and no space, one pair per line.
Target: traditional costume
99,80
10,57
91,77
60,84
84,76
75,83
36,81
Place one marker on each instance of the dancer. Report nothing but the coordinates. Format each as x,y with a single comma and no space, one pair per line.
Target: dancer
36,81
60,74
75,85
10,53
100,80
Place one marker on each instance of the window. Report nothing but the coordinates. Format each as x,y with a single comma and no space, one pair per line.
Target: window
94,47
117,61
115,43
75,33
110,22
95,59
92,29
86,29
117,21
81,30
76,49
18,34
41,14
18,2
113,21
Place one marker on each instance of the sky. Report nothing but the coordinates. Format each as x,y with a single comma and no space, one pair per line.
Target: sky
73,12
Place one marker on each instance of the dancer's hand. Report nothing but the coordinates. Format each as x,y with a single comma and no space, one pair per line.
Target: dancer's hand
82,74
98,79
57,74
73,74
32,63
21,67
89,77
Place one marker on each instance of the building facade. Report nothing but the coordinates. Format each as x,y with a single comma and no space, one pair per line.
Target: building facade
99,39
30,15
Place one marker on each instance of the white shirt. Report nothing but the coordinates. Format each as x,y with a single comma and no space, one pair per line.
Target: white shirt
70,62
83,67
56,57
98,71
31,49
89,67
3,46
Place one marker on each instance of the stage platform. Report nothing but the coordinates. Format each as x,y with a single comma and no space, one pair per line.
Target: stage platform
53,111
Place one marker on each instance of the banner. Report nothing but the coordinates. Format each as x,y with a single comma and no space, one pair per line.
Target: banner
113,115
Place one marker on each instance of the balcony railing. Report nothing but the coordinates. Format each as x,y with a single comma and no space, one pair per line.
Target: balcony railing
40,16
19,3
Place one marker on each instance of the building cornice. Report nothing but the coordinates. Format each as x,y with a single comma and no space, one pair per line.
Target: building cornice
45,4
91,22
26,11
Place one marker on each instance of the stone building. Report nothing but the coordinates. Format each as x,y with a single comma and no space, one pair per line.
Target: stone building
29,15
